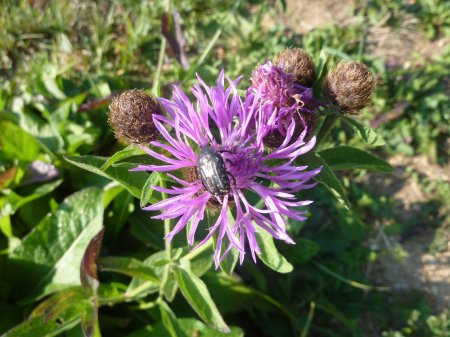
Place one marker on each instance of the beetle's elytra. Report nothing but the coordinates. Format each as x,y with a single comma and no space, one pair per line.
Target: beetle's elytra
213,172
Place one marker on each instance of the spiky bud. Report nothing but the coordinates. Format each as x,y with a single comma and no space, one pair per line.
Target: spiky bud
130,116
350,86
298,63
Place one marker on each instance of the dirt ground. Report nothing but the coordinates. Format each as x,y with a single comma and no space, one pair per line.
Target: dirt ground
406,263
416,269
403,46
303,16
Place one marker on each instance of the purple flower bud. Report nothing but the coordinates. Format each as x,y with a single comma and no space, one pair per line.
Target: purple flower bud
282,101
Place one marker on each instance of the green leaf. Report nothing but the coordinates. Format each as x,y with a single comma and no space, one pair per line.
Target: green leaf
50,255
189,327
348,281
129,151
5,226
145,230
132,181
193,327
121,209
348,158
41,327
326,305
366,133
229,262
197,295
231,292
11,201
305,330
46,134
59,313
202,262
305,250
170,289
110,192
321,71
49,80
156,262
270,255
16,143
89,320
147,191
326,177
128,266
170,320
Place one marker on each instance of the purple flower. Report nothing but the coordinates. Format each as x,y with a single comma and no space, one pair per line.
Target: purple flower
221,119
281,100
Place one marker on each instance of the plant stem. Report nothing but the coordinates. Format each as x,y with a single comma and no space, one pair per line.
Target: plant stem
162,54
168,249
156,79
198,251
326,127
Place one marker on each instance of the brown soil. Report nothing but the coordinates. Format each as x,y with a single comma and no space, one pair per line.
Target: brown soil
405,262
403,46
303,16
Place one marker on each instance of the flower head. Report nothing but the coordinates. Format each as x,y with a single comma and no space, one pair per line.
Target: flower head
131,116
281,101
221,120
299,64
350,86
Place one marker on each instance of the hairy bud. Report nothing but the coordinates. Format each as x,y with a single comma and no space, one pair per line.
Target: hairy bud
130,116
350,86
298,63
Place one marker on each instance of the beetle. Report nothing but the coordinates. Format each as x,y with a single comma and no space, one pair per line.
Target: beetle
212,171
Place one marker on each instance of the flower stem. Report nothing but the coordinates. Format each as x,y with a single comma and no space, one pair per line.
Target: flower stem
168,249
326,127
194,253
157,78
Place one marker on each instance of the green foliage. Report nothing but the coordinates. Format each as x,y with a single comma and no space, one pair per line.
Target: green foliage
52,251
60,61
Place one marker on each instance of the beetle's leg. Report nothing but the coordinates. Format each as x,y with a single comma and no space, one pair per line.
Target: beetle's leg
218,199
226,151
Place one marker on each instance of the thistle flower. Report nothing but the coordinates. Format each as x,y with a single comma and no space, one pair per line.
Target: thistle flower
221,120
350,86
281,101
299,64
131,116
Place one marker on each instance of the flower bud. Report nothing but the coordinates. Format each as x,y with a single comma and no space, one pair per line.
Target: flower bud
130,116
302,119
350,86
299,64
